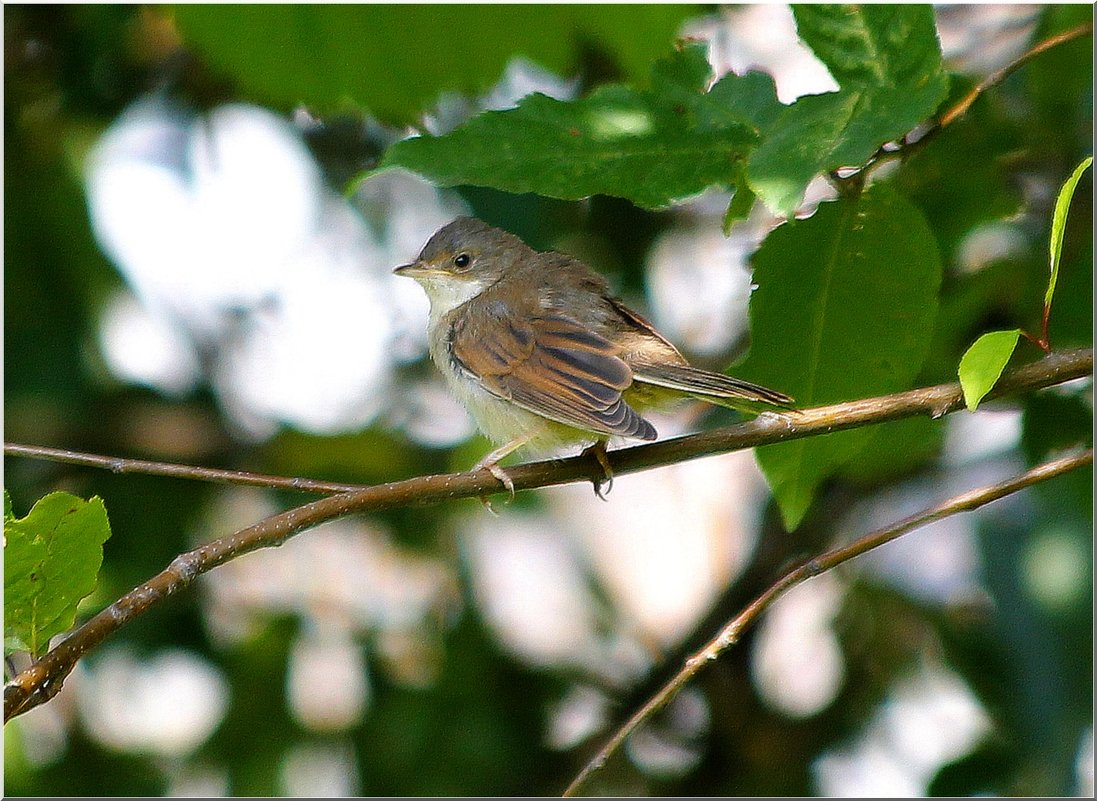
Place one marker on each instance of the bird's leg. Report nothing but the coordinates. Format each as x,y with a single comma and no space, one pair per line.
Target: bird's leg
491,464
598,451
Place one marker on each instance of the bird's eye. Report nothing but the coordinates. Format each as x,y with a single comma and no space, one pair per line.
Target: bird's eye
462,260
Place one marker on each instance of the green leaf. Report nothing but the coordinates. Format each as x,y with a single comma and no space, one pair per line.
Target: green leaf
887,61
1059,222
751,97
871,45
14,645
51,561
983,363
650,146
396,59
820,133
844,309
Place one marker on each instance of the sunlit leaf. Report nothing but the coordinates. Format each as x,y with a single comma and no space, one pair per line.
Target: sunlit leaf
983,363
887,61
1059,222
871,45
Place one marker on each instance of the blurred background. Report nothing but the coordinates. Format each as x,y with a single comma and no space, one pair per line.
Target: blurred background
191,276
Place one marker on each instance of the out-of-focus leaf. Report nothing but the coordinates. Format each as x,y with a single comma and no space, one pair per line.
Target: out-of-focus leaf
1059,84
887,61
895,449
983,363
1052,422
739,207
650,146
51,561
396,59
844,309
1071,322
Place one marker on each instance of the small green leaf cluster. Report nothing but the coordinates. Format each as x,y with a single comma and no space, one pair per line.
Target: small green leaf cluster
983,363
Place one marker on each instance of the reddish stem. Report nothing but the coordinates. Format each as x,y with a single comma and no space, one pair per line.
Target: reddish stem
1043,342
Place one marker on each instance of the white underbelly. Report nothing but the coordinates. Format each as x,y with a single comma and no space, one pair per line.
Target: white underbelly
503,421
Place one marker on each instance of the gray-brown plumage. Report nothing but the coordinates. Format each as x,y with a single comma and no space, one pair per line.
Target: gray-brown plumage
540,350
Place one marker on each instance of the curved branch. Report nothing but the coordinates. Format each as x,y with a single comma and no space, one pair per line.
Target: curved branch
731,632
42,680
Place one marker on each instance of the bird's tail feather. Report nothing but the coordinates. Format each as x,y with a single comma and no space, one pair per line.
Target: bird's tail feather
713,387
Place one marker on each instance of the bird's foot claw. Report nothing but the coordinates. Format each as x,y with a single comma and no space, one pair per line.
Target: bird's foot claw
503,478
598,451
486,503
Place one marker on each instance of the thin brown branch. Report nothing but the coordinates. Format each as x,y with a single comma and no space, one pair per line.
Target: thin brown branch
734,629
117,464
931,400
957,110
994,79
42,680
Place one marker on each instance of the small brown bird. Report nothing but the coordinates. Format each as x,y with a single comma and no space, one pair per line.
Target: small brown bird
541,353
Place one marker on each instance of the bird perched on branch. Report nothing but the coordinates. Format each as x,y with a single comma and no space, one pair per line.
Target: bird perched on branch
543,355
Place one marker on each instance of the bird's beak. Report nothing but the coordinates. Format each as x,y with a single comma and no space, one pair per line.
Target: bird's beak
413,270
420,269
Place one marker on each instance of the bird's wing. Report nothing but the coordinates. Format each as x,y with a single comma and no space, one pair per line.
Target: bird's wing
551,365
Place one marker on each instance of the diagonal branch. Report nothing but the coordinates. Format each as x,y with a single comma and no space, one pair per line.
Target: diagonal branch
42,680
730,633
909,144
960,108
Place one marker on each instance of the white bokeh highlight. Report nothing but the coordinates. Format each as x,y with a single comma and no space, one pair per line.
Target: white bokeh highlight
929,719
327,680
699,284
248,266
319,770
529,581
669,541
797,661
166,705
144,348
